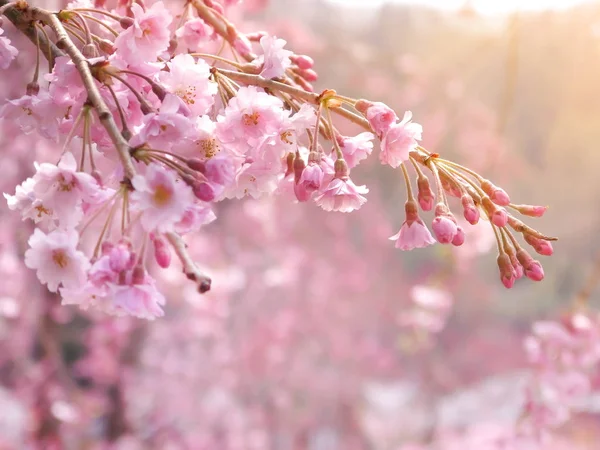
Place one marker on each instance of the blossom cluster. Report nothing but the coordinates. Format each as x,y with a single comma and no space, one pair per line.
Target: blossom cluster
157,125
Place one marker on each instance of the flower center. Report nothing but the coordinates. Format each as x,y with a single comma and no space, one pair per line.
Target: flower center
251,119
209,147
60,258
63,185
41,210
187,94
285,136
162,195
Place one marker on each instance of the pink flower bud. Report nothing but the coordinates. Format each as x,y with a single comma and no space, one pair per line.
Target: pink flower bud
204,191
106,46
425,194
498,216
444,229
496,194
32,88
531,211
162,252
470,211
126,22
459,237
298,167
196,164
541,246
138,275
381,117
309,75
533,269
302,61
507,275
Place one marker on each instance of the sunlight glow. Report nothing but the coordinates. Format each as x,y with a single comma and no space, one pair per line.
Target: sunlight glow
482,6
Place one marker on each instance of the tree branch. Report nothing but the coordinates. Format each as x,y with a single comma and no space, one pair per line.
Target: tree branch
190,268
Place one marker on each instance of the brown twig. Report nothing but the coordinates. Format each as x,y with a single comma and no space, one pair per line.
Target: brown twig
190,268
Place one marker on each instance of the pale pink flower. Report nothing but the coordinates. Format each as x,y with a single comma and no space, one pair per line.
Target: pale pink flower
310,181
66,86
399,140
63,190
194,217
189,80
56,259
194,32
7,51
149,35
250,118
413,233
357,148
167,128
341,195
35,113
274,59
161,199
139,300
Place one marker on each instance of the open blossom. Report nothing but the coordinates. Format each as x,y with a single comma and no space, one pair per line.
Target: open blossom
161,198
413,233
35,113
142,300
7,51
56,259
63,189
194,32
357,148
310,181
249,119
399,140
149,35
274,58
341,195
189,80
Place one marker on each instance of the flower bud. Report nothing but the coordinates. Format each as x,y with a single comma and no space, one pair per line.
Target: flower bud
425,195
138,275
126,22
444,225
106,46
196,164
341,168
539,245
309,75
204,191
496,194
498,216
32,88
162,252
507,275
533,269
459,237
530,210
302,61
470,211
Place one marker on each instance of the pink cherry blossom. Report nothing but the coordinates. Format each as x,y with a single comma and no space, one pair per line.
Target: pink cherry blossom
413,233
7,51
189,80
194,32
149,35
357,148
56,259
160,197
141,300
381,117
341,195
399,140
274,60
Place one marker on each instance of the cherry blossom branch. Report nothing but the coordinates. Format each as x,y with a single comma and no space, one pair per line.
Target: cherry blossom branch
190,268
65,43
28,29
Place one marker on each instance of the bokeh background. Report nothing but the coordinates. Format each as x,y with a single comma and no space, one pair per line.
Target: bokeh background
311,338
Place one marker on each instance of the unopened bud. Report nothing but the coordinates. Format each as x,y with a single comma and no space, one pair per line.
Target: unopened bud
531,210
126,22
507,275
309,75
299,166
533,269
496,194
106,46
470,211
204,191
459,237
425,195
498,216
162,253
302,61
539,245
32,88
362,105
196,164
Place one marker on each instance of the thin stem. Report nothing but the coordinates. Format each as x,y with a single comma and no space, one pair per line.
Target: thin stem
124,127
338,150
36,72
498,239
190,268
315,140
86,133
218,58
409,190
86,29
138,96
102,24
98,11
436,176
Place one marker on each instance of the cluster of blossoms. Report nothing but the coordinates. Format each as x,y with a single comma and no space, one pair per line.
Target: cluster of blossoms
565,356
157,125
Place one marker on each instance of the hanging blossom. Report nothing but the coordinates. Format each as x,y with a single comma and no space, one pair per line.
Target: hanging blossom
162,134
